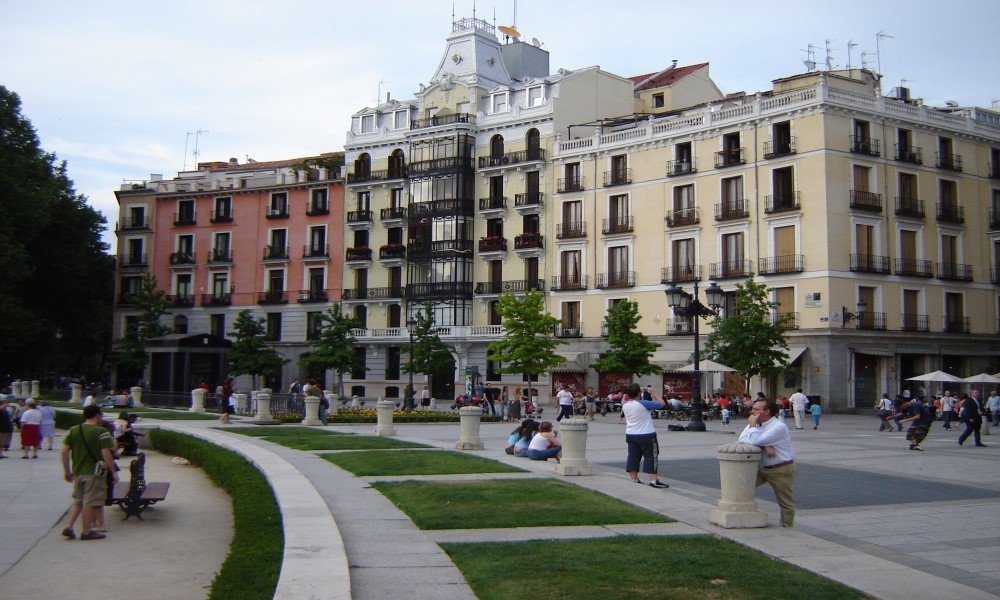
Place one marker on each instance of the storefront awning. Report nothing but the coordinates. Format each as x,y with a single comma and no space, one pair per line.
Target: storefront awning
795,352
669,360
573,362
874,351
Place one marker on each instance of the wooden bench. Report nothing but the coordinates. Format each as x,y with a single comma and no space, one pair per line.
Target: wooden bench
137,495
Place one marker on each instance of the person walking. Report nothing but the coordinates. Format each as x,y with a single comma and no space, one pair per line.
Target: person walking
640,436
993,408
48,431
590,403
884,408
228,407
971,413
31,429
816,412
6,428
84,447
565,404
947,410
799,401
777,456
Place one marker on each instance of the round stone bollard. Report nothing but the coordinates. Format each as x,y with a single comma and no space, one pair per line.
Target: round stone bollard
468,439
574,448
264,405
15,388
334,401
36,388
77,393
738,469
197,400
384,409
312,411
241,403
137,396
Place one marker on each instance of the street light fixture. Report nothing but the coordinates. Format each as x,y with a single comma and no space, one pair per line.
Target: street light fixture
408,404
685,305
849,316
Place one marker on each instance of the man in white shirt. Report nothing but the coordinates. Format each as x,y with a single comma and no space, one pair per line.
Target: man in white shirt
777,460
565,404
948,410
799,401
640,436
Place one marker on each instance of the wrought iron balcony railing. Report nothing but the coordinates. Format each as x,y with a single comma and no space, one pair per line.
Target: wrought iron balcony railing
185,218
378,293
570,184
950,213
870,320
493,244
561,284
956,324
358,254
359,216
572,229
954,271
275,252
782,202
616,279
865,145
861,200
730,269
617,177
316,251
272,297
728,158
528,240
619,224
774,149
392,252
514,286
312,296
772,265
220,255
733,209
909,154
909,207
492,203
869,263
221,216
670,275
676,168
394,213
181,258
949,161
216,299
914,267
914,322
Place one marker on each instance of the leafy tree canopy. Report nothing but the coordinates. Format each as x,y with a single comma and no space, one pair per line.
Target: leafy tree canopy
251,354
151,304
430,354
629,350
334,348
528,347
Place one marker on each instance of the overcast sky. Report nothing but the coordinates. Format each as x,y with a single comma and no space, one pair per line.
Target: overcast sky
114,87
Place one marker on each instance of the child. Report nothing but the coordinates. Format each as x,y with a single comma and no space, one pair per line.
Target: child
725,416
816,411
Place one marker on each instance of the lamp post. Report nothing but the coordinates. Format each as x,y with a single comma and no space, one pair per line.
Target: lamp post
685,305
846,317
411,326
59,337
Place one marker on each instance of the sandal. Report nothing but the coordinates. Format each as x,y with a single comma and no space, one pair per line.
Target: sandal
92,535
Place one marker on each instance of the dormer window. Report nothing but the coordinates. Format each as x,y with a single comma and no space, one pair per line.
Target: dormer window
367,123
498,103
535,97
400,120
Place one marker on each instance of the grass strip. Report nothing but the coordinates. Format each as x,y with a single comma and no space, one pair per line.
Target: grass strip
509,503
250,571
418,462
305,438
636,567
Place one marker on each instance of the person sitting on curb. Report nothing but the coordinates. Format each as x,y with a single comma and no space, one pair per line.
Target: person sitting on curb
545,444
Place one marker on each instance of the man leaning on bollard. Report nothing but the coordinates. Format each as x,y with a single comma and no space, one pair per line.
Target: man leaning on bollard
777,461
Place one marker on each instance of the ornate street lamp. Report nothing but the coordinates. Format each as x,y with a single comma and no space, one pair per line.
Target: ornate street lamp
849,316
408,405
685,305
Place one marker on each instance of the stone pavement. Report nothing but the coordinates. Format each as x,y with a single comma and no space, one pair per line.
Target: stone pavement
873,515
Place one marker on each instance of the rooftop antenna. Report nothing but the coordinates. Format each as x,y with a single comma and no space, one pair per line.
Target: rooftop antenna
196,134
829,56
379,96
864,59
810,61
511,30
850,45
878,48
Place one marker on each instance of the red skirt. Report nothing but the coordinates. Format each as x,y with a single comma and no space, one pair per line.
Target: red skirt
31,435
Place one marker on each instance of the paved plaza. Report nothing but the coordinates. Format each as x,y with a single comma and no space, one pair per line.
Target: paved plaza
871,514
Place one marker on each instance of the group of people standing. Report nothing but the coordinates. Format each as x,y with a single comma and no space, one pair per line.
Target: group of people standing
967,409
36,422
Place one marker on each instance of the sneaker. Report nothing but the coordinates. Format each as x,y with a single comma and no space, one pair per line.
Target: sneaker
658,484
639,481
92,535
980,445
916,448
68,533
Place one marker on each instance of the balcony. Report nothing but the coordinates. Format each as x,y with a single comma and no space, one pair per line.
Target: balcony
216,299
994,216
571,230
870,320
503,287
316,251
528,203
185,218
382,293
442,289
865,145
870,263
180,301
380,175
676,168
729,158
773,265
670,275
956,324
492,244
679,326
220,255
909,154
221,216
275,252
392,252
130,224
360,253
914,267
735,209
870,201
448,207
950,213
570,184
774,149
426,250
914,322
441,120
272,297
781,203
620,224
277,212
954,272
312,296
909,207
396,213
528,241
617,177
784,320
181,258
616,279
441,166
492,205
359,216
948,161
568,330
316,209
562,284
730,269
140,259
511,158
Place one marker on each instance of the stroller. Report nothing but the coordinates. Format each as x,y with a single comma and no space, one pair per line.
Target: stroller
514,410
530,410
462,400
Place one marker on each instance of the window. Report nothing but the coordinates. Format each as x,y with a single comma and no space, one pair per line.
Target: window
683,259
217,325
314,325
276,280
364,202
392,362
361,282
223,209
395,317
396,198
535,96
784,300
182,286
618,263
279,244
361,238
400,119
185,249
534,142
360,365
781,139
317,241
185,212
658,101
367,123
954,313
572,219
494,228
732,194
570,266
279,204
317,282
913,320
180,324
220,286
220,247
136,217
361,314
619,170
783,186
732,151
619,218
908,202
530,224
274,326
948,194
732,253
570,320
683,159
394,235
319,201
498,103
531,272
135,255
684,199
573,180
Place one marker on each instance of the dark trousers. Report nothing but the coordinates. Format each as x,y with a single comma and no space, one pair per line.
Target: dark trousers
972,427
565,410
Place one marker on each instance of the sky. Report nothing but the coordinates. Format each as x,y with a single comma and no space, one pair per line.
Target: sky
119,88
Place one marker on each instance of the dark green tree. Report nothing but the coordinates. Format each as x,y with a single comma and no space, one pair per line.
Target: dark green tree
251,354
749,340
629,350
430,354
57,275
151,304
334,348
528,347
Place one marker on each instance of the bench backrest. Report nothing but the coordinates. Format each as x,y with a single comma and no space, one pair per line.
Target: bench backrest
138,471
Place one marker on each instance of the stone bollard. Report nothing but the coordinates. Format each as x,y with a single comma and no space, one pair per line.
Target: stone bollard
469,439
354,402
574,448
77,395
264,405
385,408
334,401
15,388
241,403
738,469
312,411
197,401
137,396
36,388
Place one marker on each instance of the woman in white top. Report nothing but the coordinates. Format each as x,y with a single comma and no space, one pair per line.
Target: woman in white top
545,444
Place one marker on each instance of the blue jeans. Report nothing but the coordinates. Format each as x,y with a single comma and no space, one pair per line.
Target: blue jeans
544,454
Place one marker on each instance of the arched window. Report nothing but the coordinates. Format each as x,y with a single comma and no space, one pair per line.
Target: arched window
534,145
496,149
397,165
363,167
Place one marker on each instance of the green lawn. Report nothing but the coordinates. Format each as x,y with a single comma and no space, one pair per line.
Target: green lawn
634,567
305,438
509,503
418,462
